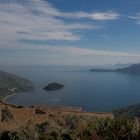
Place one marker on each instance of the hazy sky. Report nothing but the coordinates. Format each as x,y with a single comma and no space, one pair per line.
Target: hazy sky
69,32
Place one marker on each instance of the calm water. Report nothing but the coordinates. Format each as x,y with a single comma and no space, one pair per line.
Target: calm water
90,90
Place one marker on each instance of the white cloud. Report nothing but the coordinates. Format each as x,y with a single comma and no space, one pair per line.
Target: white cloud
61,35
108,15
81,51
38,19
64,55
105,16
136,18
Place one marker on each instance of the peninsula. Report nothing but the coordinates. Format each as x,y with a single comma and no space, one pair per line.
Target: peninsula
10,83
133,69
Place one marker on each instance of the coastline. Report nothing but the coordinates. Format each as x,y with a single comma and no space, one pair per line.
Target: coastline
7,96
131,111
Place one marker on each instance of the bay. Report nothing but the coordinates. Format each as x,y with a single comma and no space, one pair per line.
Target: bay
93,91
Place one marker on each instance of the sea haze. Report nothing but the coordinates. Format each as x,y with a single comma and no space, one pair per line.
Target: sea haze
92,91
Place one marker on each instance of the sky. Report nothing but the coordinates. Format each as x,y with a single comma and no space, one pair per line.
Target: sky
69,32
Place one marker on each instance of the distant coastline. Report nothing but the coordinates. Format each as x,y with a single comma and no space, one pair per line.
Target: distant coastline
132,69
46,98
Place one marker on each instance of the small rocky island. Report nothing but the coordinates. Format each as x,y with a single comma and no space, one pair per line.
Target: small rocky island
53,86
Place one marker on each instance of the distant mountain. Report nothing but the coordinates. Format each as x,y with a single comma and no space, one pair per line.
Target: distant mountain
133,69
101,70
120,65
10,83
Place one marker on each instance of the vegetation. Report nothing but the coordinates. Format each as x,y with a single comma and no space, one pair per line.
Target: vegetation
6,115
122,128
131,111
53,86
13,135
10,83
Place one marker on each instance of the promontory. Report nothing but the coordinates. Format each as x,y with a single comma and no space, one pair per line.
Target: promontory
10,83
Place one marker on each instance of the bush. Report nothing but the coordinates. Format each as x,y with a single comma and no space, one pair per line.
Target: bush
42,127
122,128
71,121
6,115
7,135
109,129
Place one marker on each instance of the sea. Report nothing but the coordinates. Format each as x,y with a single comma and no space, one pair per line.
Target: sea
92,91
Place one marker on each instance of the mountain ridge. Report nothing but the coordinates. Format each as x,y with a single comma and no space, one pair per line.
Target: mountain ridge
132,69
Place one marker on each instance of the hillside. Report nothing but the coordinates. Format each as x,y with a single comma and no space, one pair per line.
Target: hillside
44,123
135,69
132,111
10,83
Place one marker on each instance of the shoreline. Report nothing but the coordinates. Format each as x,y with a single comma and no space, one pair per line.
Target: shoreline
129,110
7,96
66,109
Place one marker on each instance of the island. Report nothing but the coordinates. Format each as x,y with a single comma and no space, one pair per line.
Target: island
10,83
53,86
133,69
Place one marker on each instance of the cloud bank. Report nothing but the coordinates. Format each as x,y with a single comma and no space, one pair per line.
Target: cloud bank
37,19
80,51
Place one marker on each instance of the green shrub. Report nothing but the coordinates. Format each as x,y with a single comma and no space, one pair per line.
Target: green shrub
42,127
122,128
6,115
13,135
109,129
72,121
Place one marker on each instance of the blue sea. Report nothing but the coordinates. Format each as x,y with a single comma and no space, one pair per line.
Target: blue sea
93,91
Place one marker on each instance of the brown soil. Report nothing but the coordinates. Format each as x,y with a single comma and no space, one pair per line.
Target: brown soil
25,115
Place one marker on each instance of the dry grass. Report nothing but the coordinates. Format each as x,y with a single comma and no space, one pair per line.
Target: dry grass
22,116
